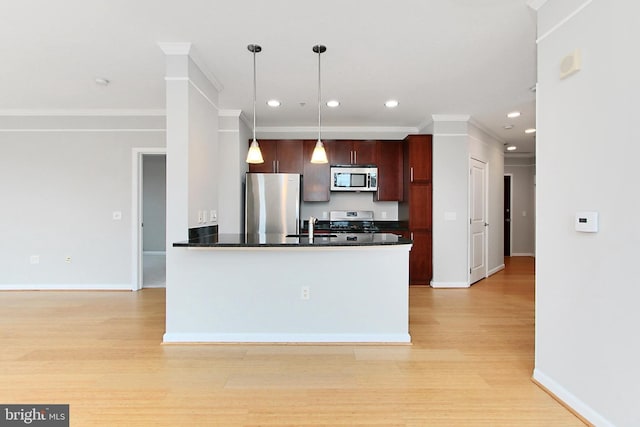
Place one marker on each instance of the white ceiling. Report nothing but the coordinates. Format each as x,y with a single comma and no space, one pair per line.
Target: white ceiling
475,57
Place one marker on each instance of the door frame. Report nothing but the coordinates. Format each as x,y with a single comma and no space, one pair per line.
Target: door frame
486,216
510,175
136,211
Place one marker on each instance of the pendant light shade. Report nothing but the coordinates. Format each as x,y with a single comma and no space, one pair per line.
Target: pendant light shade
254,155
319,154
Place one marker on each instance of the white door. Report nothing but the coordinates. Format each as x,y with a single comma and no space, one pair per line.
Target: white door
478,221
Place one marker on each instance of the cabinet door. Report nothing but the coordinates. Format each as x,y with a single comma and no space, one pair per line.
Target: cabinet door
339,152
419,154
420,260
390,171
316,177
289,156
269,149
420,207
363,152
351,152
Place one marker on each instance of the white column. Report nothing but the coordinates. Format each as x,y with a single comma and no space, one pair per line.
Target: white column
192,161
450,201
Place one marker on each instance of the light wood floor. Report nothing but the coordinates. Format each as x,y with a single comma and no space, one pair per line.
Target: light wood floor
470,364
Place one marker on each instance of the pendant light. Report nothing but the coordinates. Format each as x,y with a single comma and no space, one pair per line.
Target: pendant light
254,155
319,154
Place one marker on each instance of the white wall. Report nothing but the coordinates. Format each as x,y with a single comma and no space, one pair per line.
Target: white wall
487,149
59,189
587,291
233,152
522,172
450,197
455,141
203,147
154,201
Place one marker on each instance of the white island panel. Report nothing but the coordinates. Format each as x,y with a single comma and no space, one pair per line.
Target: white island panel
356,294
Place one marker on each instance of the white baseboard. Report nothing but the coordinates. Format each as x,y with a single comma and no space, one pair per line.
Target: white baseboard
523,254
154,252
285,338
444,285
66,287
571,400
495,270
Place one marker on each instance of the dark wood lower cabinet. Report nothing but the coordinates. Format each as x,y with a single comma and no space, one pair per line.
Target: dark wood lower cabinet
420,259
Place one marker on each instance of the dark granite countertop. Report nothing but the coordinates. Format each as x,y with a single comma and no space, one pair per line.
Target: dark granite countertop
301,240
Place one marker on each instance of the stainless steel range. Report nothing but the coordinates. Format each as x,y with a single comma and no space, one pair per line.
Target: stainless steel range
352,222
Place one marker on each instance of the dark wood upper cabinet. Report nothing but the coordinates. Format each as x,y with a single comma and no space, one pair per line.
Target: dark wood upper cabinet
419,157
390,171
290,156
352,152
316,177
269,149
280,156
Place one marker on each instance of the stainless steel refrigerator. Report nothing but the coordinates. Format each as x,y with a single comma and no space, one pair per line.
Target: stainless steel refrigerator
272,203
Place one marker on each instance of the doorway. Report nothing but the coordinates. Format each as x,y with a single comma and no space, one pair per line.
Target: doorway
478,224
507,215
154,219
149,218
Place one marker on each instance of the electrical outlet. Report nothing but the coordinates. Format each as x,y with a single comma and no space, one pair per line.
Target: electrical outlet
67,259
34,259
305,293
200,220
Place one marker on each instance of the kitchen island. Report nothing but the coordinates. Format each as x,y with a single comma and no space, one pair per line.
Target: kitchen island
288,289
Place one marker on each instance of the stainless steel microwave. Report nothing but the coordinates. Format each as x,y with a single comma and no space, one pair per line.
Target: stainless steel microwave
354,178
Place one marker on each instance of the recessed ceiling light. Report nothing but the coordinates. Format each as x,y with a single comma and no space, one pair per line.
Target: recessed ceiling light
333,103
513,114
507,127
530,130
512,148
392,103
273,103
102,81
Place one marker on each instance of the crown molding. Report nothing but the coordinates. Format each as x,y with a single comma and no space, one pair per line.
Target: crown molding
482,128
197,59
230,113
536,4
334,129
170,48
451,117
86,112
426,122
175,48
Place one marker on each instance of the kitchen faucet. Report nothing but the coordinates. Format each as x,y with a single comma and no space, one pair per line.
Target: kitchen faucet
312,221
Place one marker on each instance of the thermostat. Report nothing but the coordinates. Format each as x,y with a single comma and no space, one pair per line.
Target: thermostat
587,222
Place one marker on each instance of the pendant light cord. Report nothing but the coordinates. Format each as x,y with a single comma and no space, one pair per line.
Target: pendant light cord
254,93
319,96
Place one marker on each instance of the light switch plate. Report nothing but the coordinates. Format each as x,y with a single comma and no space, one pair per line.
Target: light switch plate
587,222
